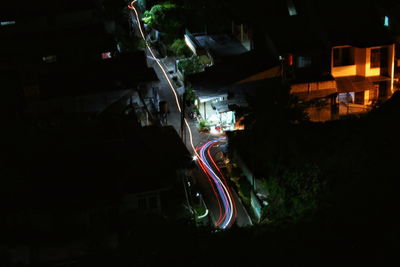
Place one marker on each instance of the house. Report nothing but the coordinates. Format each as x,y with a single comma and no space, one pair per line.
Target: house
337,65
222,86
364,76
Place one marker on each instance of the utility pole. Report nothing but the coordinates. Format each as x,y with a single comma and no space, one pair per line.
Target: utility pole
183,132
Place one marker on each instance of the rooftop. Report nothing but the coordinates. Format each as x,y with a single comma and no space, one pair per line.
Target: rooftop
220,45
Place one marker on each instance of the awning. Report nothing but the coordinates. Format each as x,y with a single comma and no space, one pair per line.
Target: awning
222,106
358,83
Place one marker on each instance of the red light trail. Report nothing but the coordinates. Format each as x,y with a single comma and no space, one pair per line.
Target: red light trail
228,215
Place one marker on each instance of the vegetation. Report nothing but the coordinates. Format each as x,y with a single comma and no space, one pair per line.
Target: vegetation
244,190
329,171
203,126
294,194
179,48
164,17
202,123
190,96
190,65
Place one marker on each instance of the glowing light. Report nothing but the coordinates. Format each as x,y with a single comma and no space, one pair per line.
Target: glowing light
5,23
190,44
291,8
229,214
106,55
204,215
386,21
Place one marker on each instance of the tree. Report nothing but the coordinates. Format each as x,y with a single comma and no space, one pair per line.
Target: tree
179,48
162,17
294,194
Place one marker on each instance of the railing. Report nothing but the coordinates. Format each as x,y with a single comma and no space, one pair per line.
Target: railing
350,108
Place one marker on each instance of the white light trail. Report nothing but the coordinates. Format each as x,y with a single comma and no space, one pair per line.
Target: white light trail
131,6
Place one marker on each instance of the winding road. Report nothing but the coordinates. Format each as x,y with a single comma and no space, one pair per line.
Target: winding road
222,193
226,203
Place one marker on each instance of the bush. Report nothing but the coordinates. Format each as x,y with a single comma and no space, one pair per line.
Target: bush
202,124
294,194
190,65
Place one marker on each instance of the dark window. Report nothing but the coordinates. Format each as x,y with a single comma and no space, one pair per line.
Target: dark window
343,56
142,203
375,58
398,50
153,202
383,90
359,98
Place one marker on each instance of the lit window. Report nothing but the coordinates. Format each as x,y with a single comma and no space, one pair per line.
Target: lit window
106,55
5,23
386,21
290,59
50,59
291,8
346,97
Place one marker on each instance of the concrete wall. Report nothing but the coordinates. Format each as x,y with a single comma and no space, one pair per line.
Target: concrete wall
360,60
348,70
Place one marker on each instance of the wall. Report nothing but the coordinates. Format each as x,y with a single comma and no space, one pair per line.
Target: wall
341,71
392,64
360,60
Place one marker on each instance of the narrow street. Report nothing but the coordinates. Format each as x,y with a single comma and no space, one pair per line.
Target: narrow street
212,186
208,152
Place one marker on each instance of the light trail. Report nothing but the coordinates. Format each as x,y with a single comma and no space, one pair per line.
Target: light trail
230,209
222,176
